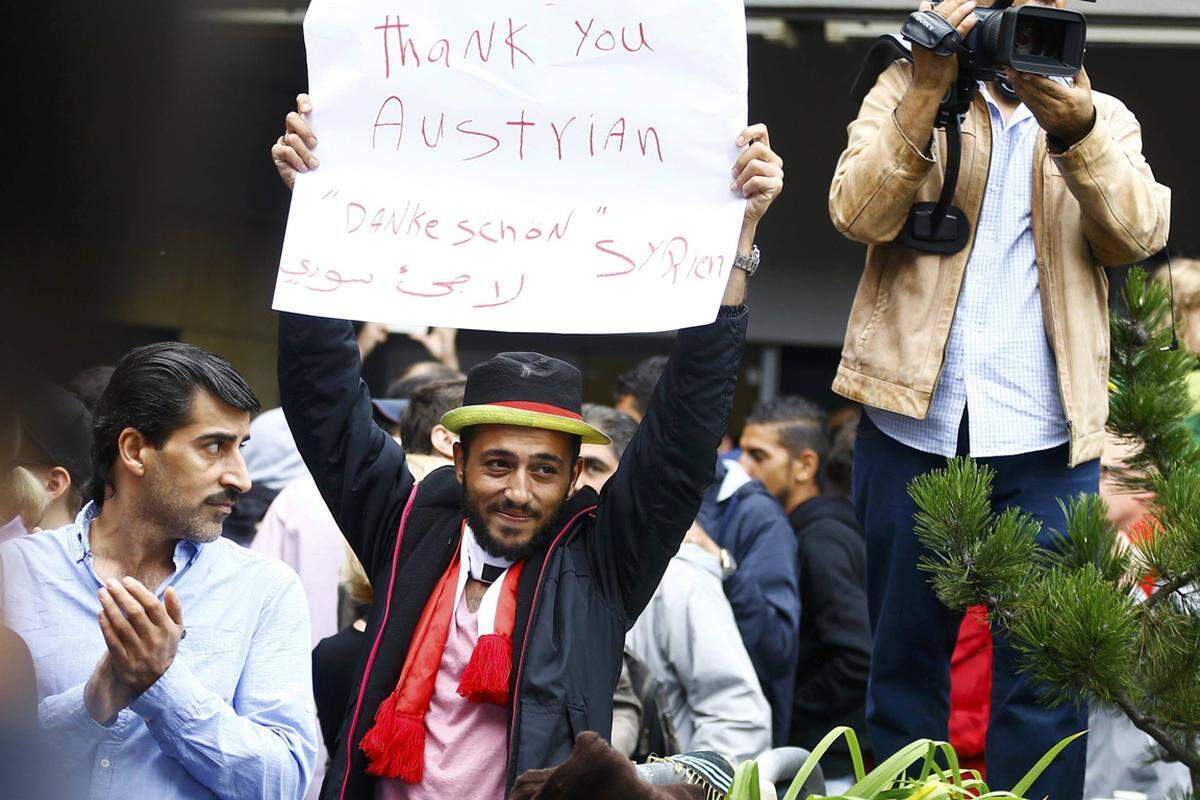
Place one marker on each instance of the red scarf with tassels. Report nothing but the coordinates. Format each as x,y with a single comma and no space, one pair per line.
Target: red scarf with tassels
395,744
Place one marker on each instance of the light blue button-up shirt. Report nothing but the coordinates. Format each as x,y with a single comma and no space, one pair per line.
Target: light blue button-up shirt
998,362
233,717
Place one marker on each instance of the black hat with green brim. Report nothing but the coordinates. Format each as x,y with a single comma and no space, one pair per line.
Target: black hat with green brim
528,390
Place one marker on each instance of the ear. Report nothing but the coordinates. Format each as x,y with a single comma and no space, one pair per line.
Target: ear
443,440
58,480
131,447
460,463
576,471
805,467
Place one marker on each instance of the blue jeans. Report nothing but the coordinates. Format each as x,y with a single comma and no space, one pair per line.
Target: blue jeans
908,692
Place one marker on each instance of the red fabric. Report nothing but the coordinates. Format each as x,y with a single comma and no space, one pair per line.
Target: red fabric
540,408
395,744
971,689
485,679
1141,531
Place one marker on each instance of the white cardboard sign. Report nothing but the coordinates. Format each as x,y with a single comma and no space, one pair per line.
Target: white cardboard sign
519,165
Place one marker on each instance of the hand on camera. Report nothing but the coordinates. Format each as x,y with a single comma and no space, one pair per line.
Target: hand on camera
934,73
1066,113
292,152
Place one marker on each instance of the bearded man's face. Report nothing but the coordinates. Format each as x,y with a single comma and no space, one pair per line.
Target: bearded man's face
515,481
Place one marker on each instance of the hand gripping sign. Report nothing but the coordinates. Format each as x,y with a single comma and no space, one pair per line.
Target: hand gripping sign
558,166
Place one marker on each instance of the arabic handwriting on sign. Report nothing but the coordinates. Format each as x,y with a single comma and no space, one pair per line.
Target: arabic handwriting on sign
447,287
496,284
334,279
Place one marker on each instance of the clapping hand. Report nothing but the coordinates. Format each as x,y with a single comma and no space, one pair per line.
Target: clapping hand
142,635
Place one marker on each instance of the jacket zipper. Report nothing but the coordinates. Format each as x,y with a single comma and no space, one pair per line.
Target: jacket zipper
516,696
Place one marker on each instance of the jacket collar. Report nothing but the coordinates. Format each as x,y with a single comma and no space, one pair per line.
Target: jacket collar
826,506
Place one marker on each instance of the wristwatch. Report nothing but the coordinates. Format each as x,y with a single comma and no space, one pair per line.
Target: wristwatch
728,564
748,262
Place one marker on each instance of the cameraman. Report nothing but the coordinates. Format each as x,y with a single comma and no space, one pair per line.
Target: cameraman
999,352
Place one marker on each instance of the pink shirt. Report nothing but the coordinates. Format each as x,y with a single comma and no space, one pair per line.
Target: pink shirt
299,530
465,743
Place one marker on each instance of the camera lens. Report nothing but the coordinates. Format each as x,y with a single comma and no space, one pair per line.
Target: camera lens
1033,39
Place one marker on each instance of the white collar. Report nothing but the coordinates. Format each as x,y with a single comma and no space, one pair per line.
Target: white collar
735,478
473,557
482,565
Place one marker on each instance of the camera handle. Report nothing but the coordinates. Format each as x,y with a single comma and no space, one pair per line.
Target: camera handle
942,227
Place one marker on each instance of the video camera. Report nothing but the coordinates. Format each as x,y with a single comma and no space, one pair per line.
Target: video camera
1036,39
1029,38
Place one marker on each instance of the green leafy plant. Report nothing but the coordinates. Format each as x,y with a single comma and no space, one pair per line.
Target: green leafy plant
1075,612
913,773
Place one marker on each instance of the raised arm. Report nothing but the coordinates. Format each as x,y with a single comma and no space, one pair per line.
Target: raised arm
649,504
359,469
889,152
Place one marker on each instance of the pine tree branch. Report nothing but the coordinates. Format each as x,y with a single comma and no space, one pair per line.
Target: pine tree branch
1171,587
1159,734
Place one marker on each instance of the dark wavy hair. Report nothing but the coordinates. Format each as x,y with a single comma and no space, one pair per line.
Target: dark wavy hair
151,391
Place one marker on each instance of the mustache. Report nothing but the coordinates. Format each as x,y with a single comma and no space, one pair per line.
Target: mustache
225,496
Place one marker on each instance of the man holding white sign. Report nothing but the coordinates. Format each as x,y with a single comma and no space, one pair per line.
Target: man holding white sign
474,660
481,160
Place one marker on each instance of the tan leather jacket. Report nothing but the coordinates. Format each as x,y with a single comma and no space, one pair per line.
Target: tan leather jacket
1096,205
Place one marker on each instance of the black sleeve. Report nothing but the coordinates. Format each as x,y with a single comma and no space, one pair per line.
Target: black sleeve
359,469
648,505
832,560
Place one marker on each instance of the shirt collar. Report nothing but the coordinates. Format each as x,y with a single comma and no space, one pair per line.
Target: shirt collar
735,478
1021,113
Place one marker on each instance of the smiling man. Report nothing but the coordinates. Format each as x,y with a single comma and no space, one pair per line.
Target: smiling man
503,594
133,701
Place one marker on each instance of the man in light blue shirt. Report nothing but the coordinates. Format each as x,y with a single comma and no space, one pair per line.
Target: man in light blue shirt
171,663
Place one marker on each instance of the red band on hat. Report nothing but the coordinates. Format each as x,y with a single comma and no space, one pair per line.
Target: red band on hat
540,408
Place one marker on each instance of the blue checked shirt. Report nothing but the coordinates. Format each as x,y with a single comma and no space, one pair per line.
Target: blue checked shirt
998,362
233,716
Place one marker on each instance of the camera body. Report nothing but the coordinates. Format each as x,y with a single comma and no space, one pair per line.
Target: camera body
1029,38
1036,39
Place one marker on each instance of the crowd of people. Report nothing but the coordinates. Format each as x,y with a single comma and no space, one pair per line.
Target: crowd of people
440,590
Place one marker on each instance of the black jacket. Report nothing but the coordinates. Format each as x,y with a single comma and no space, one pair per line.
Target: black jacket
835,631
580,594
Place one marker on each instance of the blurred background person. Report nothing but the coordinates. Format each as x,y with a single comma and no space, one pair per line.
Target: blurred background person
785,445
688,638
745,529
1119,756
273,462
600,460
50,465
89,384
632,395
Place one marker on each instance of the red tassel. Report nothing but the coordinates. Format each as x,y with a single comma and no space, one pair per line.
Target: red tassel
395,744
485,680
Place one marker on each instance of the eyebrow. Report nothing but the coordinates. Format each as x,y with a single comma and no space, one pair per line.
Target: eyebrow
501,452
218,437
